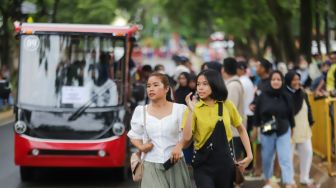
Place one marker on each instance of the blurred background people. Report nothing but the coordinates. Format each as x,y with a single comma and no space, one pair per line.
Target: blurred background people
5,91
303,70
236,94
182,88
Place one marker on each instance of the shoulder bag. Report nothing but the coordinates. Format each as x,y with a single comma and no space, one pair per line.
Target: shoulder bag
239,177
137,163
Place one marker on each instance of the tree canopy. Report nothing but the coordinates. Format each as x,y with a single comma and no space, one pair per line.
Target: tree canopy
254,25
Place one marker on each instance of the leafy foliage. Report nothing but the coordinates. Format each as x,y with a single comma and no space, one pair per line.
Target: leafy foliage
251,22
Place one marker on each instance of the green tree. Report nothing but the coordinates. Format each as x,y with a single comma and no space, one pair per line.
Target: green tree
253,23
87,11
76,11
9,12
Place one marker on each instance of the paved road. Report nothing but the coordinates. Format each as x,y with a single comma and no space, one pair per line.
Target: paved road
56,178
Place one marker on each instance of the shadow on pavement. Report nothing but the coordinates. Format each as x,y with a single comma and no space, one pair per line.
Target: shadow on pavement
79,177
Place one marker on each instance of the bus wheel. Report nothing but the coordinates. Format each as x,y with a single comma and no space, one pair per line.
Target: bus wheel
27,173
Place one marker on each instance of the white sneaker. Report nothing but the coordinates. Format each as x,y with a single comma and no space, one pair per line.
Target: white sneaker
309,181
267,186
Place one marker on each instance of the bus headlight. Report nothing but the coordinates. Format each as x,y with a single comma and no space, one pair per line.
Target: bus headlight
20,127
35,152
101,153
118,128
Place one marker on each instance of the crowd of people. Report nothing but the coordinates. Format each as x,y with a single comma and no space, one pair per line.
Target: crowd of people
6,99
255,101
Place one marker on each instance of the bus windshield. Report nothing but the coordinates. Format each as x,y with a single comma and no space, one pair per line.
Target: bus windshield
69,71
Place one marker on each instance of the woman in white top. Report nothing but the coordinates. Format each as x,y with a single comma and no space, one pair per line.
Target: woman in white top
303,121
157,134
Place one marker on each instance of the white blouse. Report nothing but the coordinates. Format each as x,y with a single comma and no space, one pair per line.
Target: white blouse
164,133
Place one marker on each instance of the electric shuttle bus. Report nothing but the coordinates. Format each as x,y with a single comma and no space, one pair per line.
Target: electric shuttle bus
73,88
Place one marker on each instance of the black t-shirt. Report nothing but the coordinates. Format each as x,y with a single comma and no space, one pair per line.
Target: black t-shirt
181,94
279,106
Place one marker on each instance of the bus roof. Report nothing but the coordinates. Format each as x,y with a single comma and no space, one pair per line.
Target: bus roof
78,28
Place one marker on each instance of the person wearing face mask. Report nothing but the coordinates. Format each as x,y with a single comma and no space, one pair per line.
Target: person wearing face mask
275,117
253,63
156,132
303,120
303,70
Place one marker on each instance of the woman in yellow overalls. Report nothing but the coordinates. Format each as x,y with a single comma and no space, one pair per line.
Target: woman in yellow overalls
207,122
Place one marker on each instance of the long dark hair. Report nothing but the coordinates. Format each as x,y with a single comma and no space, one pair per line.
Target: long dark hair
216,83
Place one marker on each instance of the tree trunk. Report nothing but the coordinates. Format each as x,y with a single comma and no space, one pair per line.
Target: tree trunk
254,42
317,26
282,19
326,28
43,11
54,12
9,14
243,49
5,38
306,28
276,48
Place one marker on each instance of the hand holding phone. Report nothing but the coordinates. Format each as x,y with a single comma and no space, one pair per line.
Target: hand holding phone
191,100
195,96
168,164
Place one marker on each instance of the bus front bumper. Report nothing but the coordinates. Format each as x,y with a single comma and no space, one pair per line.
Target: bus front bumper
103,153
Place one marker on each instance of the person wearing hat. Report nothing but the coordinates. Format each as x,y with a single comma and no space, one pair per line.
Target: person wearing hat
215,65
181,66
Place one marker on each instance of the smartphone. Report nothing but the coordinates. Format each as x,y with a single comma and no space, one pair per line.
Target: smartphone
168,164
196,95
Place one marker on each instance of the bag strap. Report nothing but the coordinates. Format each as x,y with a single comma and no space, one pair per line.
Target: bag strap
220,114
144,116
232,150
145,122
239,82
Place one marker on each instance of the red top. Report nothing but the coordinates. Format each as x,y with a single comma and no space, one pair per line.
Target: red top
81,28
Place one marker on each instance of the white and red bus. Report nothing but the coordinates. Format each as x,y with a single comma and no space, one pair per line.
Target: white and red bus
73,88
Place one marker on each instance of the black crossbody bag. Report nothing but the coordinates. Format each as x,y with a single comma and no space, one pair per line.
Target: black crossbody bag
269,126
